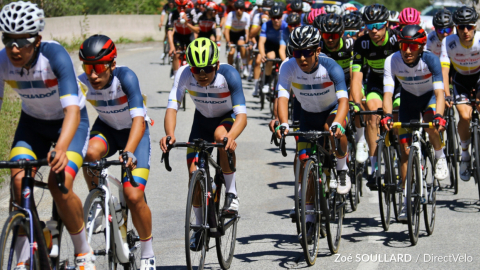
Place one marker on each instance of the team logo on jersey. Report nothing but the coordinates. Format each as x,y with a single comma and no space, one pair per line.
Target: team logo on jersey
452,45
388,52
477,53
372,54
459,55
358,56
341,54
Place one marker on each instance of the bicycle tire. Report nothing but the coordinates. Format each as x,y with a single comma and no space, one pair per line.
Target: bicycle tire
353,194
105,259
272,95
66,249
197,186
384,181
429,207
412,185
133,241
452,153
309,181
297,196
397,198
336,211
225,244
10,229
476,156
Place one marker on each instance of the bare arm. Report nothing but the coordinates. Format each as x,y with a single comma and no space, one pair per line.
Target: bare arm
356,87
69,128
169,124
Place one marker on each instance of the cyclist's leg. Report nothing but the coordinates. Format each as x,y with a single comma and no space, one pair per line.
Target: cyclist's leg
220,132
374,101
180,45
234,37
243,50
141,214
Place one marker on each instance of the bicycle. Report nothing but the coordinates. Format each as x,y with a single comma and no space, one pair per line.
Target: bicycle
203,188
166,49
237,61
452,151
328,205
420,184
109,229
270,96
50,244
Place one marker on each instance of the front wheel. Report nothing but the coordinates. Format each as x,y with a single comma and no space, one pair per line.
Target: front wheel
412,185
476,156
336,211
384,183
430,191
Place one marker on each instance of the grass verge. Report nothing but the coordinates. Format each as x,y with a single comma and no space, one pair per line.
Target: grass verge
9,116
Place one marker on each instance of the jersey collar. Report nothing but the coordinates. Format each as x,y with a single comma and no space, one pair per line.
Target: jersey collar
339,47
385,40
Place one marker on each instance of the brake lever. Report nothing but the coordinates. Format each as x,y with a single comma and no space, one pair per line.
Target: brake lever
229,156
127,170
336,141
60,177
282,141
274,135
166,156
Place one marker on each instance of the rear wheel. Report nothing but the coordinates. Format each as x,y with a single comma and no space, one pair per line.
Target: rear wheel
384,183
353,194
397,198
228,225
476,156
452,152
336,210
412,186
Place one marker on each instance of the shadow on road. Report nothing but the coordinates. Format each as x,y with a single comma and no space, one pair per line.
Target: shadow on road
282,164
460,205
283,183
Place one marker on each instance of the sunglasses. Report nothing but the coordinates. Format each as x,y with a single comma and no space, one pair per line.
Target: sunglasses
468,26
207,69
350,33
446,30
98,68
276,18
17,42
237,9
292,26
394,24
306,53
328,36
378,26
413,46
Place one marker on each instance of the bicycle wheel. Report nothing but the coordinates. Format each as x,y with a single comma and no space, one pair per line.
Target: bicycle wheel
353,169
272,95
298,203
238,67
196,195
8,240
310,234
412,185
93,216
133,242
66,249
452,153
226,243
166,49
430,190
336,211
384,183
397,196
476,156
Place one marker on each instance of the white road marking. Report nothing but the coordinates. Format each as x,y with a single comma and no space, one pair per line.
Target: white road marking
139,49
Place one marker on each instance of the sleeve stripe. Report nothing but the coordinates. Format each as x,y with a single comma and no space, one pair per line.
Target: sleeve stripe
239,105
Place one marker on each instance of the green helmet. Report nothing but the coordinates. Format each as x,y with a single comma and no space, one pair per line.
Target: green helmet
202,52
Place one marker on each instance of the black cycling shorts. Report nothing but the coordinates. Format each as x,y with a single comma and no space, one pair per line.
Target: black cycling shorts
182,41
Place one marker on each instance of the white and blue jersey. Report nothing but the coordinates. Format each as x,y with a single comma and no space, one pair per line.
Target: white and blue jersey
48,86
273,35
285,36
424,77
119,101
223,95
318,91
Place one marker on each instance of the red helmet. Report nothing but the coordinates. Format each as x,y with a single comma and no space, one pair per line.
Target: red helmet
97,48
409,16
201,2
248,5
211,6
190,5
412,34
181,2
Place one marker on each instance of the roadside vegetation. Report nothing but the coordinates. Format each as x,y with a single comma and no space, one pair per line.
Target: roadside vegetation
11,108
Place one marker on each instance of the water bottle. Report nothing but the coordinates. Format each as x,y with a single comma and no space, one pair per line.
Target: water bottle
118,211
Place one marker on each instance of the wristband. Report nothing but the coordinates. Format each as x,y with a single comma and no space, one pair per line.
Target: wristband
131,155
285,125
277,128
339,126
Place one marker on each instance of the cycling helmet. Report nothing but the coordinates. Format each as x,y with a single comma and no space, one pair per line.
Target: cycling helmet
239,4
212,6
97,48
280,4
218,2
317,21
333,9
412,34
375,13
289,50
306,7
305,20
248,6
21,18
332,23
293,19
314,14
393,16
409,16
201,2
259,3
465,15
182,2
276,12
296,6
362,10
353,20
202,52
347,8
443,18
304,37
268,3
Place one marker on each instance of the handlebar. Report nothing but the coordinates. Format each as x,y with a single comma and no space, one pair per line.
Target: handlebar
104,163
24,164
415,124
197,143
275,60
310,135
274,138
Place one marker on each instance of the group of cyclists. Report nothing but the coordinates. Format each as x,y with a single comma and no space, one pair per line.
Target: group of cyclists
334,58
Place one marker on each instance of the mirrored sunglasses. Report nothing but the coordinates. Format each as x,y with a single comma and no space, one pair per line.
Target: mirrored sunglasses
98,68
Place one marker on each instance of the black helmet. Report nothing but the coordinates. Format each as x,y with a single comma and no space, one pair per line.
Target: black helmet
443,18
293,18
239,4
296,5
275,12
305,18
289,50
375,13
317,22
332,23
97,48
268,3
465,15
304,37
353,20
413,34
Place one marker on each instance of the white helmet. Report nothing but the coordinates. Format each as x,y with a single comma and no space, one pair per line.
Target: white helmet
393,16
306,7
362,9
21,18
258,3
347,8
333,9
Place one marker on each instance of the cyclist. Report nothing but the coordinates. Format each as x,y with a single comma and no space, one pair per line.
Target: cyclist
372,48
180,30
220,112
420,75
236,32
294,6
269,44
444,27
293,21
333,9
462,50
393,21
319,85
409,16
207,22
348,8
53,110
114,91
167,9
353,25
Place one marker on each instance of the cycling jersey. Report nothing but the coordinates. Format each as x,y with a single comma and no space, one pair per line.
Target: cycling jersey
434,44
273,35
466,61
221,96
343,56
318,91
375,55
119,101
422,78
48,87
237,25
167,10
174,21
206,24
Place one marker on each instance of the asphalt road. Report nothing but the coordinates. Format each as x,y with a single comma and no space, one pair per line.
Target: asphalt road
266,238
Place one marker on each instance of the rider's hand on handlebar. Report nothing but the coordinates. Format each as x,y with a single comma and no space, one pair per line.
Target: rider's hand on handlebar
449,101
263,58
171,52
163,142
60,161
272,124
385,121
279,135
339,132
440,122
231,144
130,164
